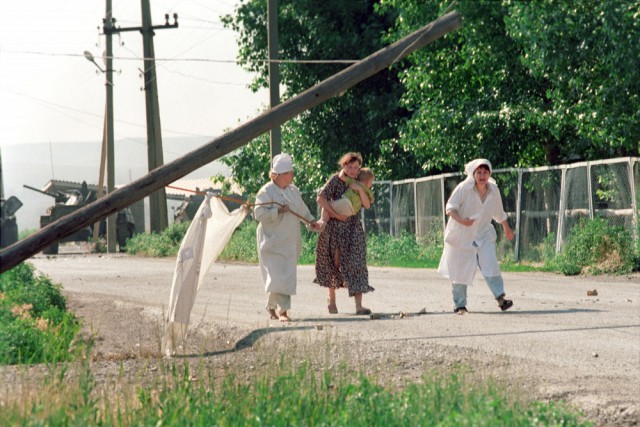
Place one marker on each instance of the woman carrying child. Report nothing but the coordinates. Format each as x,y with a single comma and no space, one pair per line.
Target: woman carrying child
341,252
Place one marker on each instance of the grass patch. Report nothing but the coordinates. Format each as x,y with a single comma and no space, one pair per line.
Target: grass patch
281,392
35,325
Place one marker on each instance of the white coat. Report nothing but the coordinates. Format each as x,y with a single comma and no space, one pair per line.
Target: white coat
465,246
278,236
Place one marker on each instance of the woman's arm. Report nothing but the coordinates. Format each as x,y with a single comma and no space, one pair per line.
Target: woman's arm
322,201
507,230
364,196
456,216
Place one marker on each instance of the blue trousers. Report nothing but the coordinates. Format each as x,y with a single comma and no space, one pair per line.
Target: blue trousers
459,290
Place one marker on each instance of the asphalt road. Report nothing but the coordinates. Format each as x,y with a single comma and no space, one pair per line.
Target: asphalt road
554,325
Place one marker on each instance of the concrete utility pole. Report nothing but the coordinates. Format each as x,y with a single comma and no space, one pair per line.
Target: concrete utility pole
218,147
157,200
275,135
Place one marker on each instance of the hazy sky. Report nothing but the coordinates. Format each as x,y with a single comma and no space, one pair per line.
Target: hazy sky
50,93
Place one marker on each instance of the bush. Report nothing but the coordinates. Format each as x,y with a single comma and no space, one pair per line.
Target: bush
159,245
242,245
34,324
403,251
596,247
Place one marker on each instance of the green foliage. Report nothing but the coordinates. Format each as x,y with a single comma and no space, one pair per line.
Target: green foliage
596,247
242,246
288,396
358,120
34,324
159,245
403,251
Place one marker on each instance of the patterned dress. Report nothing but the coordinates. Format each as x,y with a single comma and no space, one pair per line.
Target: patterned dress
346,238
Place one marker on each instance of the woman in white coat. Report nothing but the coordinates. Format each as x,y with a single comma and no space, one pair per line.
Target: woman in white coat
278,235
469,237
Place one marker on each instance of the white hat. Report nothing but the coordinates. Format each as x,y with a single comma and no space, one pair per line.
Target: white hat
282,163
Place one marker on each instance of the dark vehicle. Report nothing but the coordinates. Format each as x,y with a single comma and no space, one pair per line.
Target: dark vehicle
68,202
8,224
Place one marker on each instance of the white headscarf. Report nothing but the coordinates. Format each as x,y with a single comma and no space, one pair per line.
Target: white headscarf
471,167
282,163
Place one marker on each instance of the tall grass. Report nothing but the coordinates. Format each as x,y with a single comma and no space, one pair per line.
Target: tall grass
281,394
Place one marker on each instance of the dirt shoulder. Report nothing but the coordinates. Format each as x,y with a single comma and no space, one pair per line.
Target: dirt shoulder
556,343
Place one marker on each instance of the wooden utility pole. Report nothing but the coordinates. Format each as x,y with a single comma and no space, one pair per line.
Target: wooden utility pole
158,199
111,181
216,148
275,135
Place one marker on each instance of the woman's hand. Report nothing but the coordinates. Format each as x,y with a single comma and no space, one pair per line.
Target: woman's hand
507,230
467,222
339,217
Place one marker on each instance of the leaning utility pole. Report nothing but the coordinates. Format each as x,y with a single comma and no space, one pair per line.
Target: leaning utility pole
157,200
218,147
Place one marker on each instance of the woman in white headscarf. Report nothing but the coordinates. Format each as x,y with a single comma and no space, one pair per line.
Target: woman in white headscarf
469,237
278,235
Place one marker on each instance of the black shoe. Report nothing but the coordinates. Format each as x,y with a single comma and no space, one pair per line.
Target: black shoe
460,310
506,304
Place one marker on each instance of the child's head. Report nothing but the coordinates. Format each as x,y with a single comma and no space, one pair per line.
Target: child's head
366,177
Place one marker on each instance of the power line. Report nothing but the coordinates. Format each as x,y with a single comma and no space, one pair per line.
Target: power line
221,61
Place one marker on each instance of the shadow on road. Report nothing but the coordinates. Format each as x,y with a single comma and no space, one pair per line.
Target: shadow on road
490,334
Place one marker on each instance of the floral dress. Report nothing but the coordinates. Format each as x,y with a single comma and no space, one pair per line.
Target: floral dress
346,239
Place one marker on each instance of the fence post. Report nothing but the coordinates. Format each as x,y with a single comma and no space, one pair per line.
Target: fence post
444,206
634,206
391,220
589,190
561,209
518,208
415,208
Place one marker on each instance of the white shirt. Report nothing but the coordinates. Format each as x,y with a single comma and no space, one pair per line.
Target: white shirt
463,245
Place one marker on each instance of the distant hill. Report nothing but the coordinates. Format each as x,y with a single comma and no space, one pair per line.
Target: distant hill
36,164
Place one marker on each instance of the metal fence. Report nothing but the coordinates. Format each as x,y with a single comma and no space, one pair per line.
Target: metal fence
543,204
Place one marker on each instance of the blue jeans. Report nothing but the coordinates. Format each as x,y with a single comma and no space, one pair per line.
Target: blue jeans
459,290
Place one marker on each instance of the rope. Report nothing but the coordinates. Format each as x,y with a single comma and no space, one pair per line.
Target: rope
240,201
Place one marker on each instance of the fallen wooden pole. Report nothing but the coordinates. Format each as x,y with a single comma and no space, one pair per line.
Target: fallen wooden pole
170,172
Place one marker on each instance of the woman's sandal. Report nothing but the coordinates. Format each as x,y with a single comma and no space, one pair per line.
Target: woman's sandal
333,309
460,310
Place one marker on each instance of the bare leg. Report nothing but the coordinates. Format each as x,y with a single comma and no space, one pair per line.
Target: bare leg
272,314
284,317
333,309
359,308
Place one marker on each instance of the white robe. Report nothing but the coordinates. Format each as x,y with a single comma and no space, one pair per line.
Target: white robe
278,236
460,257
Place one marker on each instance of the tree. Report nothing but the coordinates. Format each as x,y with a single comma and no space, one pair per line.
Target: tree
360,120
512,84
590,51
